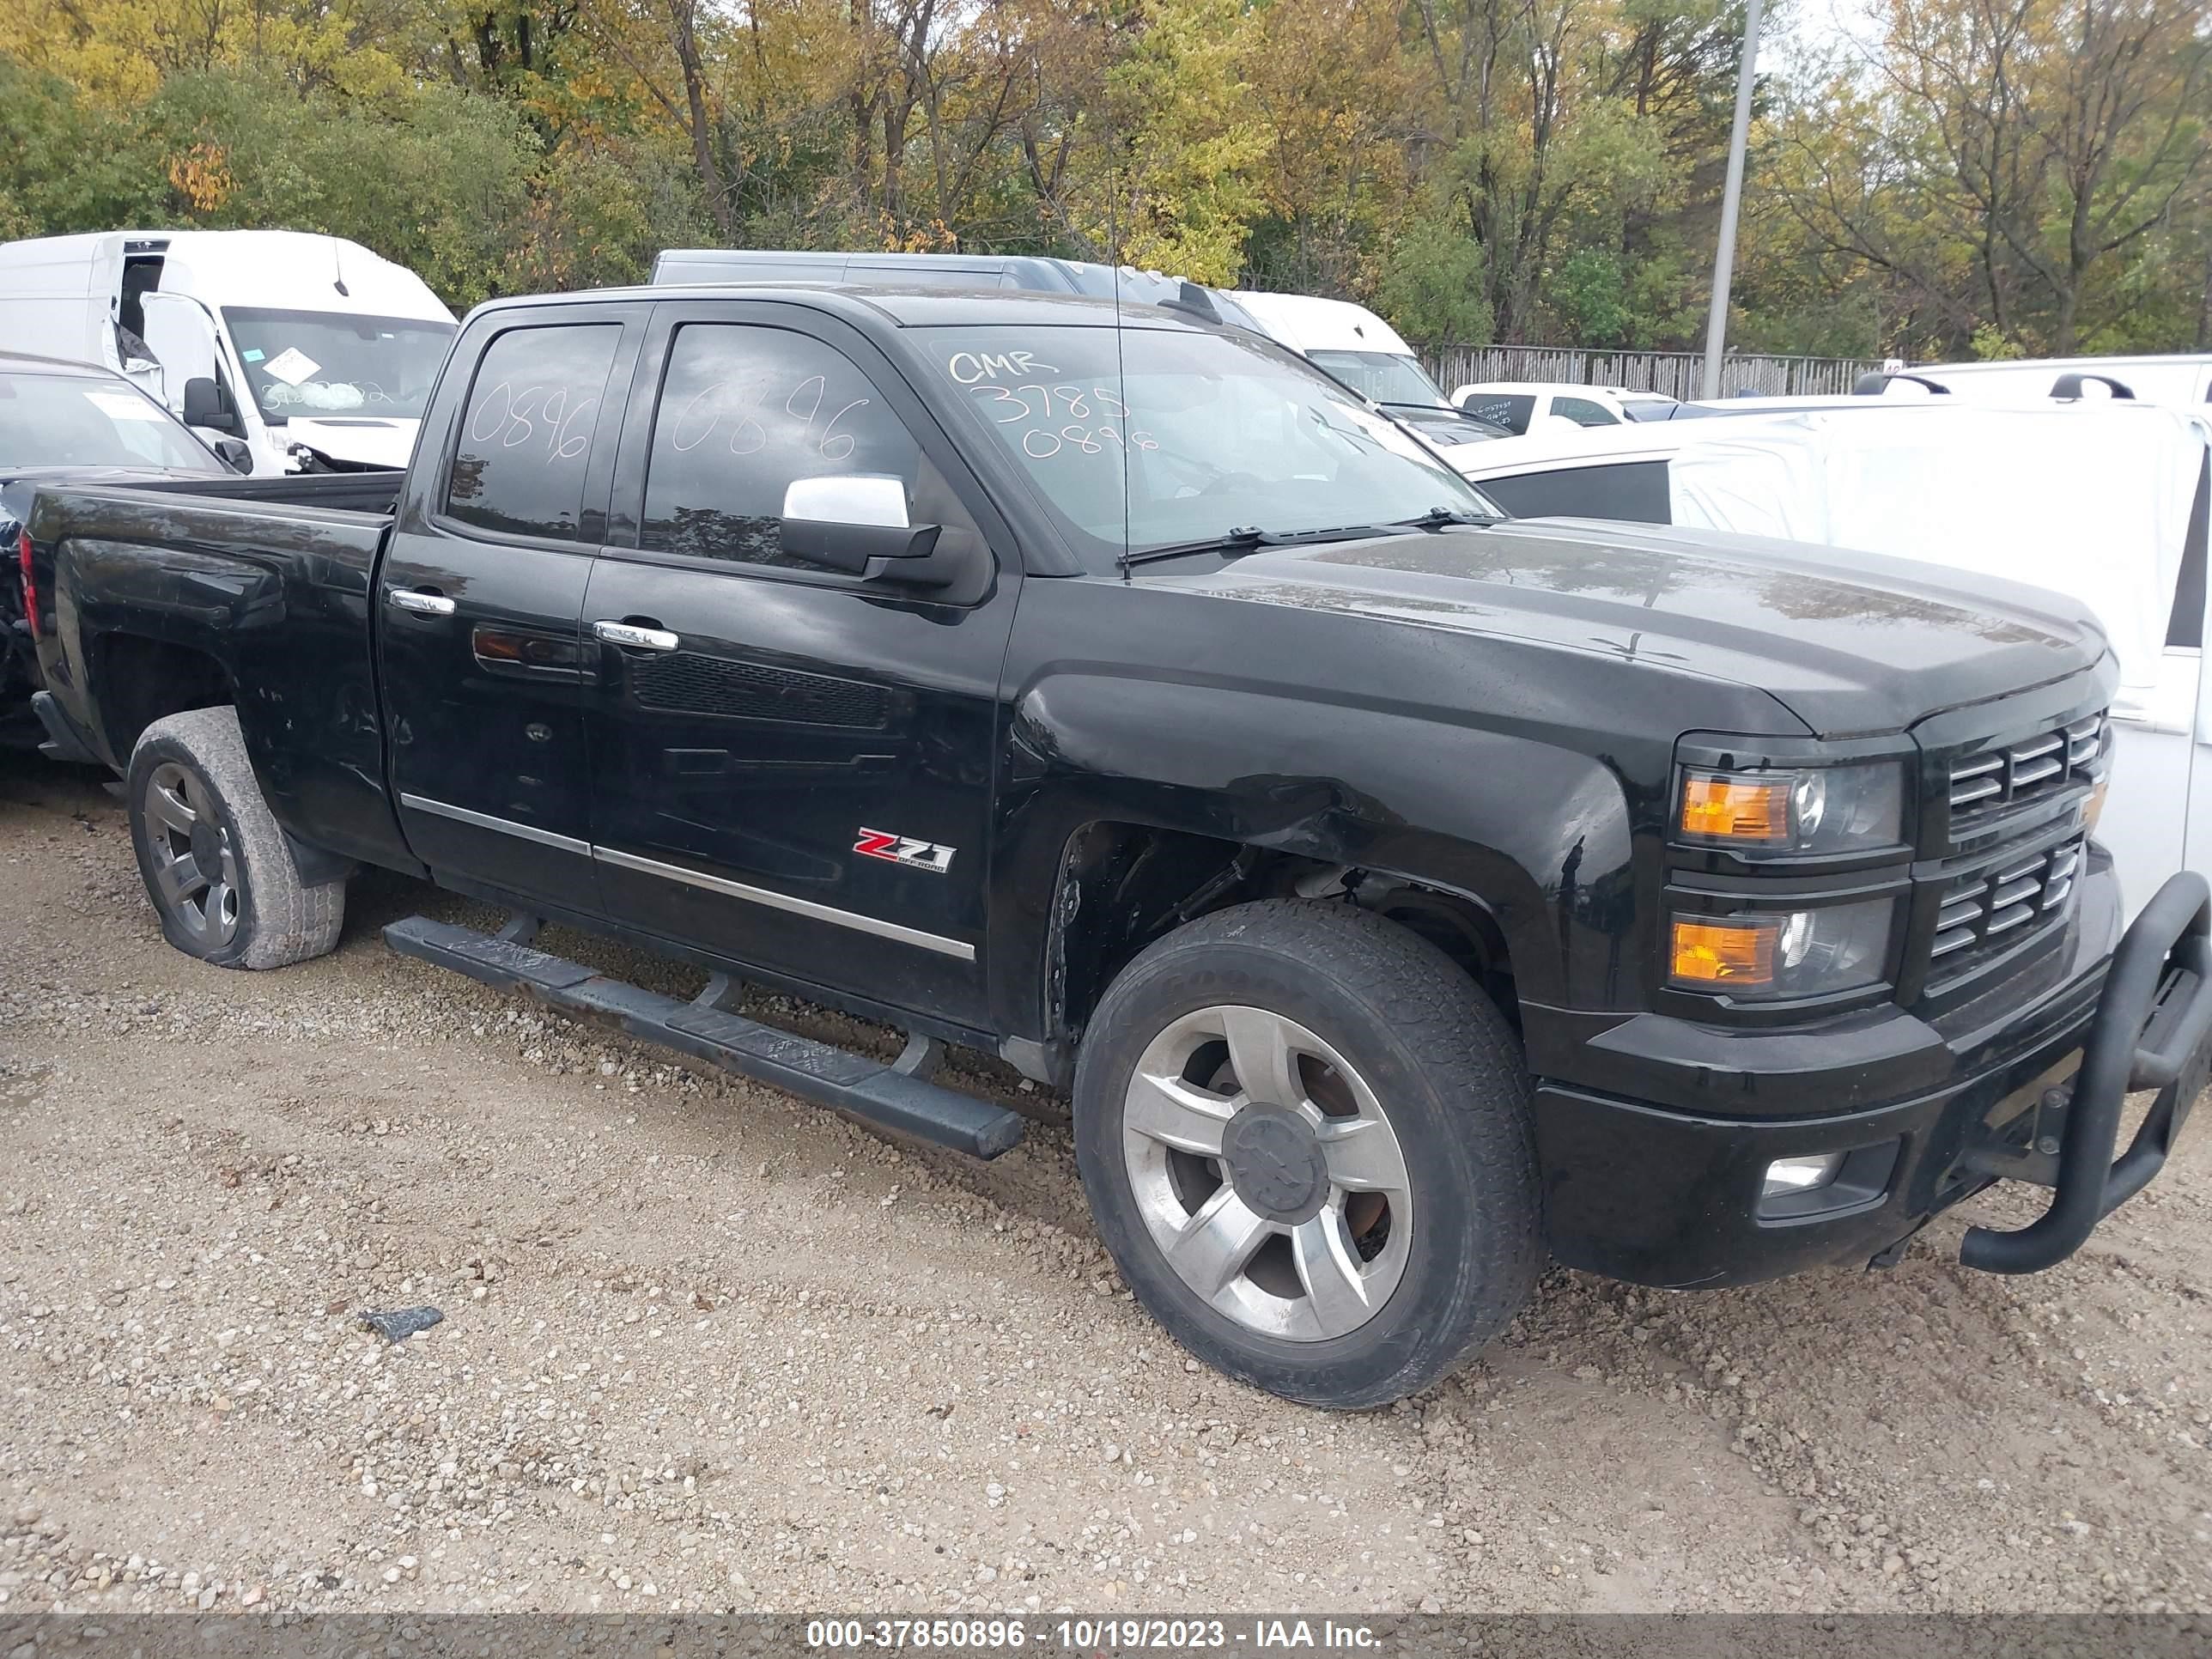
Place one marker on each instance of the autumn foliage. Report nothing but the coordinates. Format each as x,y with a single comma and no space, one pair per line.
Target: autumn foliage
1972,175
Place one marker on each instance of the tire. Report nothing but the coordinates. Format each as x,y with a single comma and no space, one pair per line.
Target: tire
1353,1296
193,801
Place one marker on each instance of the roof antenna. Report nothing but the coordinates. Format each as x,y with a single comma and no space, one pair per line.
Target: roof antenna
1120,253
337,267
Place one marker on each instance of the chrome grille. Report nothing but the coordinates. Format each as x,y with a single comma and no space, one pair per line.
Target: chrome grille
1994,908
1996,779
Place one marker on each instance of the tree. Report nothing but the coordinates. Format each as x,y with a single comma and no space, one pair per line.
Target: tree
2024,144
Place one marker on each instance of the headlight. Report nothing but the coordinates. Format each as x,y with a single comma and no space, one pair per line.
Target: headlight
1828,809
1776,954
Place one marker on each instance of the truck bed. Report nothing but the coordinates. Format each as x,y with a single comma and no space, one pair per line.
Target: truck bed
354,492
257,591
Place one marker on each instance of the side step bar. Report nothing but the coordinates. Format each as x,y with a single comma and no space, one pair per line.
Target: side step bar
869,1089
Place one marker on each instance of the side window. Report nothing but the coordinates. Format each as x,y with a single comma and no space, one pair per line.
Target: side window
1635,491
744,412
527,429
1583,412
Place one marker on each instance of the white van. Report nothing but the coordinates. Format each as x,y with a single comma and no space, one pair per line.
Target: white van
320,354
1364,352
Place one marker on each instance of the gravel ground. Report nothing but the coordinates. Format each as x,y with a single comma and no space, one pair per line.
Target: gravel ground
707,1347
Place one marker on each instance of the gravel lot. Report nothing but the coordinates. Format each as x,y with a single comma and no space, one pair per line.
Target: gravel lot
707,1347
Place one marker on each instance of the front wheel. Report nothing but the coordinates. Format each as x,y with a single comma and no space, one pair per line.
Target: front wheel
217,866
1305,1133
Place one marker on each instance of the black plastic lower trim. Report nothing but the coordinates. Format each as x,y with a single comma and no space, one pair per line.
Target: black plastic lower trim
63,742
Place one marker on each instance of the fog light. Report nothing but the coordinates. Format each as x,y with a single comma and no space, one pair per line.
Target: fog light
1800,1175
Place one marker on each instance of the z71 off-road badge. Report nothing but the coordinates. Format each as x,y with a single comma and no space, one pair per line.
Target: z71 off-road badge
904,849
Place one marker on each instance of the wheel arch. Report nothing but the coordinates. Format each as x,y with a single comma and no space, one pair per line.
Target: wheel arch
1122,884
144,678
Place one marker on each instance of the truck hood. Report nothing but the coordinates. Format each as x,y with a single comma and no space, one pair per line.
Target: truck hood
353,441
1873,647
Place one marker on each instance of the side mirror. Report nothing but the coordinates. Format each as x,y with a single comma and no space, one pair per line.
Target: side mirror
857,522
208,404
234,453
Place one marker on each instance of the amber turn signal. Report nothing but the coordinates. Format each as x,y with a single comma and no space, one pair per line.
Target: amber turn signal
1718,807
1730,955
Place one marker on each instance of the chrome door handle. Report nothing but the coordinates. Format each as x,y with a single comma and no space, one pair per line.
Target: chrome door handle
420,604
636,638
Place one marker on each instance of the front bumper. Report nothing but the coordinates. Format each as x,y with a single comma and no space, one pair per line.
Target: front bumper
1662,1195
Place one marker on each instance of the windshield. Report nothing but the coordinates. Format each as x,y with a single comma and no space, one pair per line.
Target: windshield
1171,436
1384,376
72,420
326,363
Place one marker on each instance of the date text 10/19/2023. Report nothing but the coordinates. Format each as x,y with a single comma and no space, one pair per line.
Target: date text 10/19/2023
1063,1634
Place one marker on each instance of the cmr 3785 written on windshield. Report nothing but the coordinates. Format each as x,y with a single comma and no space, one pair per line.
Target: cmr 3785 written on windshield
1067,1634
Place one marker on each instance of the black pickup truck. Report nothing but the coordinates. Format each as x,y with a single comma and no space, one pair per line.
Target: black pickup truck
1404,895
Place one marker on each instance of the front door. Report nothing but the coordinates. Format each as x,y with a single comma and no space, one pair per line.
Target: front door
791,767
484,671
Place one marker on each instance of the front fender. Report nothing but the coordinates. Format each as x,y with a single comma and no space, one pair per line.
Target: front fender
1535,833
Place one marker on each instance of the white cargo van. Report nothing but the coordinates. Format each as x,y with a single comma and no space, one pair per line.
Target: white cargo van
1365,353
316,352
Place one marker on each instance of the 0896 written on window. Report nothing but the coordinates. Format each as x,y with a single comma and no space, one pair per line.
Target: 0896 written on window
526,431
745,411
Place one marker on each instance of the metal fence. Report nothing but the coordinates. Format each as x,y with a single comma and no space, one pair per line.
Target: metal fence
1677,373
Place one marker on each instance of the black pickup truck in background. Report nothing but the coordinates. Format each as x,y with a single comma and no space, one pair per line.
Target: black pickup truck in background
1403,896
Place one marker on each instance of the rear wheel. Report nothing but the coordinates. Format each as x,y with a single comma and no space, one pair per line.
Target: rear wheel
1305,1132
219,870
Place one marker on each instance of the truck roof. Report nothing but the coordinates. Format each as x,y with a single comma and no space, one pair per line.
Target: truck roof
29,362
902,308
1308,322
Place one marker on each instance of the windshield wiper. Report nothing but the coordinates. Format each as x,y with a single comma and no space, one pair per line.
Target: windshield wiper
1444,517
1249,538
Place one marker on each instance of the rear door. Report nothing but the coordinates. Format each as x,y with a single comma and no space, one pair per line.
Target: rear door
485,677
793,772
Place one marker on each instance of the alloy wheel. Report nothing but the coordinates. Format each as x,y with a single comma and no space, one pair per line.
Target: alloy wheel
1266,1172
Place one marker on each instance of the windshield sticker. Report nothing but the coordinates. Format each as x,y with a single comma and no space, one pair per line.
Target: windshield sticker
253,354
122,406
291,366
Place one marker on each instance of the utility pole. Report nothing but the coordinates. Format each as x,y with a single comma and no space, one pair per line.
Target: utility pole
1731,195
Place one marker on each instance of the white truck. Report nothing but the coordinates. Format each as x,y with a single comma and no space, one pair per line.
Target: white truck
316,352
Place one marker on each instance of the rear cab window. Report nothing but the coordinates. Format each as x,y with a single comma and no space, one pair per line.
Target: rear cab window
1511,409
